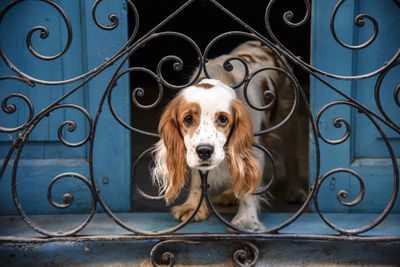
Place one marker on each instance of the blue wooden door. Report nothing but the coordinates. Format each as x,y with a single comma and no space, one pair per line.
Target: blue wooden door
44,156
364,151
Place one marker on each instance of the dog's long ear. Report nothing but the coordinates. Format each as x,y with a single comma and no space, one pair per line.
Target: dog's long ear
242,160
170,172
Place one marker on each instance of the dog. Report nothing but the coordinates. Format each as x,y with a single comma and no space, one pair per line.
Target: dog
209,127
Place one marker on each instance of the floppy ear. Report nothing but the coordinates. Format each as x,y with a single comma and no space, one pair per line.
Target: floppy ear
242,160
170,172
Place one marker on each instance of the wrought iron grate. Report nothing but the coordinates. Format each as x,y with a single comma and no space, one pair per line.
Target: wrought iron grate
249,254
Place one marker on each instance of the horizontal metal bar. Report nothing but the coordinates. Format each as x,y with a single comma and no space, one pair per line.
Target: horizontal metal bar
200,237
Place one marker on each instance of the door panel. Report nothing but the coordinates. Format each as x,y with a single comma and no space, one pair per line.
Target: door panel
364,151
44,156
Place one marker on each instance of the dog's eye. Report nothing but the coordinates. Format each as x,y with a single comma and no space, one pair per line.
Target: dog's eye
188,120
222,120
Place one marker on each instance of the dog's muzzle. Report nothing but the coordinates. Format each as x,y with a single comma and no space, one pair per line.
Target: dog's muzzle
204,151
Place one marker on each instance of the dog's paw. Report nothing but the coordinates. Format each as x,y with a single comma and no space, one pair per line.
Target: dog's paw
226,198
249,224
296,195
182,212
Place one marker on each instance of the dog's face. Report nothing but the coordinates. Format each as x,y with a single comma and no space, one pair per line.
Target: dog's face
201,127
206,120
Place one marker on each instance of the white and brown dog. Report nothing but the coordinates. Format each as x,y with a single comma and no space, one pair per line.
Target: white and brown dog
209,127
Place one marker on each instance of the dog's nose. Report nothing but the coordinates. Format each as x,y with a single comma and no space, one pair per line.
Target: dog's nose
204,151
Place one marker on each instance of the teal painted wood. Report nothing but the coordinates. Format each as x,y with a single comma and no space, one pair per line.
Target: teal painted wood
44,156
364,151
215,253
308,223
114,246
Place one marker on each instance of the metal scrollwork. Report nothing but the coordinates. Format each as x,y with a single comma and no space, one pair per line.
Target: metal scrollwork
137,188
72,125
67,197
337,123
114,19
227,65
166,257
140,92
359,22
248,254
10,109
44,33
396,96
341,194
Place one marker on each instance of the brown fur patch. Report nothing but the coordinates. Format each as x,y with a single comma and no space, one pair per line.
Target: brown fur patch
204,85
192,109
248,58
170,132
225,129
242,161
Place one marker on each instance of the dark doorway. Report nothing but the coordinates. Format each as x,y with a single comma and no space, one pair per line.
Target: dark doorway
202,21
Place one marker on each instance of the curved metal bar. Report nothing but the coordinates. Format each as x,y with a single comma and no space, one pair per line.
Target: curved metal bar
72,124
296,88
7,158
178,65
104,205
299,212
139,92
288,16
307,67
353,101
359,22
67,198
247,255
343,193
242,257
167,257
227,64
266,188
44,33
204,184
136,92
337,123
10,109
247,77
359,198
17,78
113,18
395,94
136,187
18,146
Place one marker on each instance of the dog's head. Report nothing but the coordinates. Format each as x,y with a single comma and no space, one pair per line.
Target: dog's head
204,125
